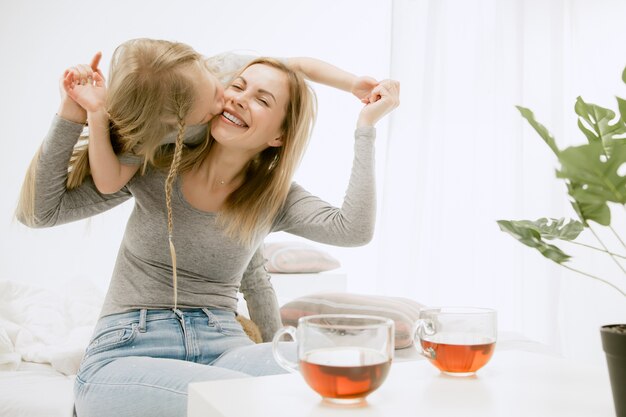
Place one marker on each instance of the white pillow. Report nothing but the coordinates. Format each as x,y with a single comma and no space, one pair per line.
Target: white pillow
297,257
403,311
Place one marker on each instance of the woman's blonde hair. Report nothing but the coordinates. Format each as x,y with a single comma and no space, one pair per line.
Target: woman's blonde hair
25,211
252,207
148,92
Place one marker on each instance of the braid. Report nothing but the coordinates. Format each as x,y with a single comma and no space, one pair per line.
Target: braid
169,181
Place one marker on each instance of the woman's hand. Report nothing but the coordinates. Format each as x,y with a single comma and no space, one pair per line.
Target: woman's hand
383,99
362,88
70,108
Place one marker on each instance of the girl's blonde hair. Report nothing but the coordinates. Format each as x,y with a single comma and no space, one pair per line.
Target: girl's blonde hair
149,95
254,205
148,92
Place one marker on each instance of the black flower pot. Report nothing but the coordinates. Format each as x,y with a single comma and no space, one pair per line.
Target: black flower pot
614,344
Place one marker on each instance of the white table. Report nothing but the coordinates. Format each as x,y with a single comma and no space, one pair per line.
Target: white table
512,384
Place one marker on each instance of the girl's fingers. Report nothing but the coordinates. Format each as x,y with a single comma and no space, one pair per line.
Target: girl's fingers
67,82
382,92
98,79
85,73
70,79
375,95
80,71
95,61
389,89
377,92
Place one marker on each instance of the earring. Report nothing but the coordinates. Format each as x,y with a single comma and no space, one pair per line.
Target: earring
274,162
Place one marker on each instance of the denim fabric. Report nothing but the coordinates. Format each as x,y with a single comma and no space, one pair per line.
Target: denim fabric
140,363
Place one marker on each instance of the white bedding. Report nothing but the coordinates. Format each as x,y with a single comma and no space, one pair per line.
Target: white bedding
36,390
43,335
45,326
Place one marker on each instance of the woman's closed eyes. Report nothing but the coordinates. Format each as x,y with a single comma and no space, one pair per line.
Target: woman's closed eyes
263,96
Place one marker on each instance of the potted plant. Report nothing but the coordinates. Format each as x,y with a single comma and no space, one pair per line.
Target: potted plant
595,175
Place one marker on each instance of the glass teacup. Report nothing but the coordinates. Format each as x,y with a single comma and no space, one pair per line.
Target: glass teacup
342,357
457,340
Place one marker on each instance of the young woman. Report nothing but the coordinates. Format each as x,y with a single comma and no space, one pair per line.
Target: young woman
228,195
160,90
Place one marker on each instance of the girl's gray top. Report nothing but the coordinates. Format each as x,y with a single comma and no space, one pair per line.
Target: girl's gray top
209,265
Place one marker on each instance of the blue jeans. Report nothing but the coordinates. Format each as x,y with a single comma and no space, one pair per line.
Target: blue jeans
140,363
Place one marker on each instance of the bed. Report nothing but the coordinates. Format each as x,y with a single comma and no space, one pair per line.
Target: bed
43,334
36,390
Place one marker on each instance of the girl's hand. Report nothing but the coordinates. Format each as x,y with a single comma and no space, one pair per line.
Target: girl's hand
383,99
69,108
89,91
362,88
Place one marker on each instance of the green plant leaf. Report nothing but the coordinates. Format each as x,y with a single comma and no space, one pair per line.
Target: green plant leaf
599,119
564,229
591,136
598,212
594,178
526,232
539,128
624,75
621,105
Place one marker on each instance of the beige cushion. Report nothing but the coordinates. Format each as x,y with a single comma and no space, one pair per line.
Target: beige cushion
297,257
403,311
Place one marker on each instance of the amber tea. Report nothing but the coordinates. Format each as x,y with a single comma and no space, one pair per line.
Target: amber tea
344,373
342,357
459,358
457,340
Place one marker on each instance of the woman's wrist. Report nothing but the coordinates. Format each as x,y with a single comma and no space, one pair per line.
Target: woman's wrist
364,122
71,111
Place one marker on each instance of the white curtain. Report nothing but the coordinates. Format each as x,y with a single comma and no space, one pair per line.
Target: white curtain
460,157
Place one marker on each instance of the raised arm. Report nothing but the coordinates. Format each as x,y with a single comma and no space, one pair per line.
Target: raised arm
44,198
313,69
86,86
324,73
353,223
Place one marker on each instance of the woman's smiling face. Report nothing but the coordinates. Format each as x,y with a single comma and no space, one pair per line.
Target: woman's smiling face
254,110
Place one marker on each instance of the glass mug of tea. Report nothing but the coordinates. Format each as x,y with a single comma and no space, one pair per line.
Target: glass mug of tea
457,340
343,357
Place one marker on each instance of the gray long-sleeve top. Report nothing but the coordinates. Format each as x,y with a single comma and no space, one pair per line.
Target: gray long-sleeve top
209,264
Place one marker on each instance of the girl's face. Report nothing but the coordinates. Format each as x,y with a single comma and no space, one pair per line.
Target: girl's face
254,110
209,100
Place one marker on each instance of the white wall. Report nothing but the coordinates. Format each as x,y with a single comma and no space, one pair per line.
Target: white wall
39,39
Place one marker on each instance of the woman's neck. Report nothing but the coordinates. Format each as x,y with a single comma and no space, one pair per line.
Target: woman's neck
223,168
